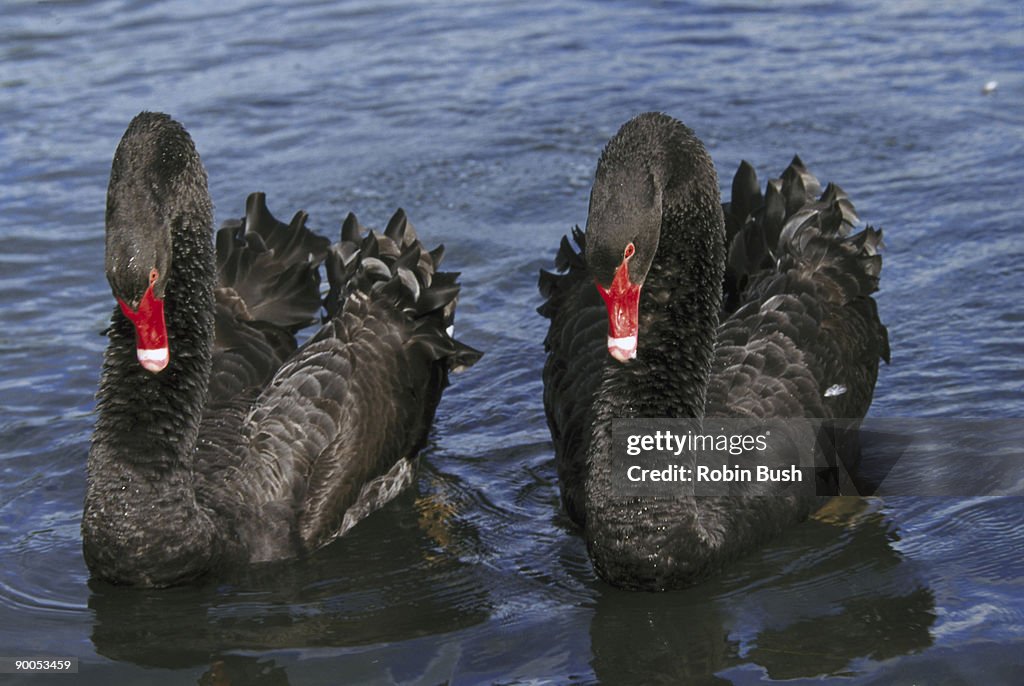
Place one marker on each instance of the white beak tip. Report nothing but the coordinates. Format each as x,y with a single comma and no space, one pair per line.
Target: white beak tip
622,349
153,360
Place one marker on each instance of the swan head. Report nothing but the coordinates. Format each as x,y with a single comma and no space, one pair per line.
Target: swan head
652,173
152,188
623,229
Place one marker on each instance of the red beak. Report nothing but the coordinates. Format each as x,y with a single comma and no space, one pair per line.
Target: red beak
623,302
150,331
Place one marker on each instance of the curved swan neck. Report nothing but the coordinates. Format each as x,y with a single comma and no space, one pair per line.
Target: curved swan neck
159,230
682,289
678,320
141,524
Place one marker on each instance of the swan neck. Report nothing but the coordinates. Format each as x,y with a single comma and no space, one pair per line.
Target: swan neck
141,488
679,316
655,158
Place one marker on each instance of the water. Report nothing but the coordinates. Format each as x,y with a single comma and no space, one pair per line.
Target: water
484,120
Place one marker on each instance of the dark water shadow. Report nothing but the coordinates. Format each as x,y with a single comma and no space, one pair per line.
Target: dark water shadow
393,578
832,592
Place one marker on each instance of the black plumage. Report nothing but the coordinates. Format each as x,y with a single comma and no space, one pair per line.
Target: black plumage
754,308
248,447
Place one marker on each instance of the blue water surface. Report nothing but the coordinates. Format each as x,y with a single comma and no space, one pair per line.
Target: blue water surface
484,121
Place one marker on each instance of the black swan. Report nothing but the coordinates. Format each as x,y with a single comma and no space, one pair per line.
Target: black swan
760,307
219,441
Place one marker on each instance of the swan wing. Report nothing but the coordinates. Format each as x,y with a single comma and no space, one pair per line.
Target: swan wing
800,335
576,347
345,409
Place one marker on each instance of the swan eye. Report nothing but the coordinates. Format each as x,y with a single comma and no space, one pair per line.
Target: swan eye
153,275
628,252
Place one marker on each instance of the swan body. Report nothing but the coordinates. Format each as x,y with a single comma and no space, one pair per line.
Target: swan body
674,305
219,440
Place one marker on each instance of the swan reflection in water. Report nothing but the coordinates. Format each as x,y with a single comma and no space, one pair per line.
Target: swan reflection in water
821,600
